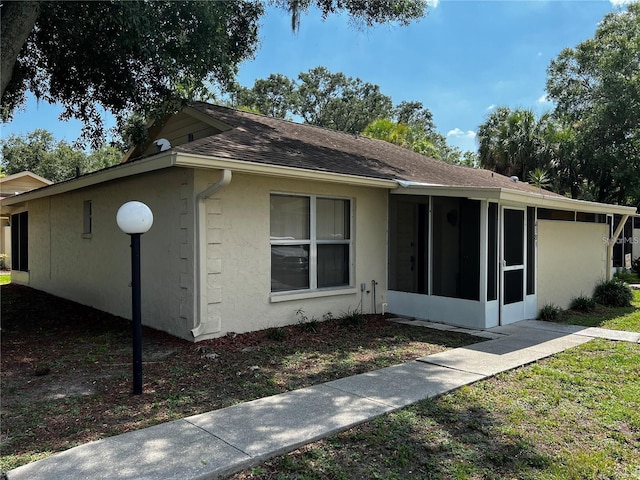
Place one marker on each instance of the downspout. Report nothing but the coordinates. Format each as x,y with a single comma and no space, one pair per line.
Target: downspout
201,251
612,241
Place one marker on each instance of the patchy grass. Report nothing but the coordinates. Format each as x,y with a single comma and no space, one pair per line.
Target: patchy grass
621,318
66,369
573,416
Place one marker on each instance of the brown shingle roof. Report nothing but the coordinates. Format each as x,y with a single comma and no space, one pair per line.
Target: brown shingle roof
266,140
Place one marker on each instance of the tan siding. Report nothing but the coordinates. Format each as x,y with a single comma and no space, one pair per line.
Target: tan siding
240,259
571,260
96,271
177,130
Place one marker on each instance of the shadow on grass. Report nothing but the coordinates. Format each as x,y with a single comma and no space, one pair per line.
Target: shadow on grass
431,440
66,369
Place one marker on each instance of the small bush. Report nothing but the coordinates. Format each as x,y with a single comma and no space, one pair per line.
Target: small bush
613,293
625,276
351,318
309,325
635,266
583,304
278,334
549,313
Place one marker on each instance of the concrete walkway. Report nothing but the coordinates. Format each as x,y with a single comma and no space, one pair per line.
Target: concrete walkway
218,443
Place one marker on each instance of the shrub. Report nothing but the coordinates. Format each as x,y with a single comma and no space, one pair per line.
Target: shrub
613,293
309,325
277,334
549,313
583,304
351,318
624,276
635,266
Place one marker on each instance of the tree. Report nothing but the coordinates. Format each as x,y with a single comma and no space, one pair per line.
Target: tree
39,153
136,56
361,11
319,97
515,142
418,134
596,87
335,101
273,96
539,178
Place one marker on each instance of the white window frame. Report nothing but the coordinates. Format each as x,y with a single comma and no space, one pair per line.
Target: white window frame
313,243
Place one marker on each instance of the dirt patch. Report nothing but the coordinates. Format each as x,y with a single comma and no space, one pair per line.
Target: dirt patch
82,357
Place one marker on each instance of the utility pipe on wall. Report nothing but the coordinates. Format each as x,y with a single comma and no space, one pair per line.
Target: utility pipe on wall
201,251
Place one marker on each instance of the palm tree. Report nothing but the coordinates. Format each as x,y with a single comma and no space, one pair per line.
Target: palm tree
513,142
539,178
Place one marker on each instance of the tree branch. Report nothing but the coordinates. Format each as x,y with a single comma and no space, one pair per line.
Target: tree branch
17,22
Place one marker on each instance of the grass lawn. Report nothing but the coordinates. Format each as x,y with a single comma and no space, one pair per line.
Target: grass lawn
575,415
5,278
627,318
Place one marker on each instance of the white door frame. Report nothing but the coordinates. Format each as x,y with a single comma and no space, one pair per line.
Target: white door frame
514,311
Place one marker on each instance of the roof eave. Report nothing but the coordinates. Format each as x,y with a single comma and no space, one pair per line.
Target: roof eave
242,166
122,170
514,197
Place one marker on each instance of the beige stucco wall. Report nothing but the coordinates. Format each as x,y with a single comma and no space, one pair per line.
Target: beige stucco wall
236,258
96,270
239,262
571,260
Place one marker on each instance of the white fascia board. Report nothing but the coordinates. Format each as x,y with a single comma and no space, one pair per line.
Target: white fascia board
121,170
240,166
513,197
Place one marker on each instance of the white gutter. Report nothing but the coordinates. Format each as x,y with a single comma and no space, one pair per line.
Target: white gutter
612,241
203,326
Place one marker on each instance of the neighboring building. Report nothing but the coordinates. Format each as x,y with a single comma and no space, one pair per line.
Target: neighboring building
628,244
256,218
9,186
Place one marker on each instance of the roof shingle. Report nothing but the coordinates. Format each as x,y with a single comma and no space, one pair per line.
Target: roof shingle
261,139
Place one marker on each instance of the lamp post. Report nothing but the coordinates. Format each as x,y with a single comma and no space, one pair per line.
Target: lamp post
135,218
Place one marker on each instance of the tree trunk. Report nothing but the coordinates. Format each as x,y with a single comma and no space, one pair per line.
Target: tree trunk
17,21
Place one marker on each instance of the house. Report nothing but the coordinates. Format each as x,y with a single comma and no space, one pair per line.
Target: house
627,246
256,218
14,185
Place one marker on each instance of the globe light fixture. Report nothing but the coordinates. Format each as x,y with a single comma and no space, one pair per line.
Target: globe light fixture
135,218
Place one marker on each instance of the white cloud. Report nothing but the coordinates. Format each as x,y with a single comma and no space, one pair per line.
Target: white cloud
544,99
434,3
491,107
456,132
618,3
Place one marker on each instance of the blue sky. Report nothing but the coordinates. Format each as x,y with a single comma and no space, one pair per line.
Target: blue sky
461,61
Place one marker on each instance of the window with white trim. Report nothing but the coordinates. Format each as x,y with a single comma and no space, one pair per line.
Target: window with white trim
310,242
87,217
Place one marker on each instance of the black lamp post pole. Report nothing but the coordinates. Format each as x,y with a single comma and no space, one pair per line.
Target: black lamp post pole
136,315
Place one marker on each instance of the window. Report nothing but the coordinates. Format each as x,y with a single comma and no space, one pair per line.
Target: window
87,213
310,242
19,242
